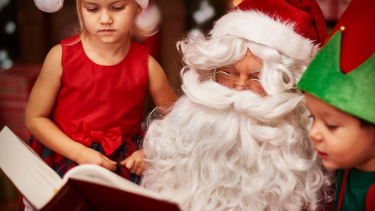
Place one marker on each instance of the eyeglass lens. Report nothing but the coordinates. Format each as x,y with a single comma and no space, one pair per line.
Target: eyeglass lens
223,79
226,80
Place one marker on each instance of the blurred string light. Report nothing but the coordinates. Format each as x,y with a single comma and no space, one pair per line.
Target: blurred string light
195,32
5,61
10,27
203,14
3,3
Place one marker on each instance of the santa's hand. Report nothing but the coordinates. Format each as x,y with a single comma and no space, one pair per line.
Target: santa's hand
135,162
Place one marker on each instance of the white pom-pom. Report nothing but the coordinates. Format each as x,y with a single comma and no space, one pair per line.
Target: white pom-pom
49,5
142,3
149,18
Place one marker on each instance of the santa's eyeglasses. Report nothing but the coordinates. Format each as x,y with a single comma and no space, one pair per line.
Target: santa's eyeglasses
225,77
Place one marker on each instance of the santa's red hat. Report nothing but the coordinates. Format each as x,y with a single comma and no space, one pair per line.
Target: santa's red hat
295,28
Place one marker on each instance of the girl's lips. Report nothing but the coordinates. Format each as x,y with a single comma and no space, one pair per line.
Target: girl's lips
107,30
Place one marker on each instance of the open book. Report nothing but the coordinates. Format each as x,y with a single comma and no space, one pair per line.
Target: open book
85,187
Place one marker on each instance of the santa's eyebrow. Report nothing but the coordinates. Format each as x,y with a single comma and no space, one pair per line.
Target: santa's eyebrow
255,71
231,66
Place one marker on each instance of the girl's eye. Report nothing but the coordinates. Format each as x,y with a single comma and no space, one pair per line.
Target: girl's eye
118,8
92,9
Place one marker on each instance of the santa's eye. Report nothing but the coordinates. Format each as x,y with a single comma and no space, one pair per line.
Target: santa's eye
228,70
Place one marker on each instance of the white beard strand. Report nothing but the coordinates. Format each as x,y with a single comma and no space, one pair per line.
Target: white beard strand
219,149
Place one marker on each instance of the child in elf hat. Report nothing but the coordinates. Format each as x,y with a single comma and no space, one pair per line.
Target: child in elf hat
339,86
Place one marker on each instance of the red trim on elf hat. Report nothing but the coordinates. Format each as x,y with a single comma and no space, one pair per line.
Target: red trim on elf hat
306,15
358,42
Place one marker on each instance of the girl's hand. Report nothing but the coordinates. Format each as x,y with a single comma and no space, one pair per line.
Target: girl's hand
90,156
135,162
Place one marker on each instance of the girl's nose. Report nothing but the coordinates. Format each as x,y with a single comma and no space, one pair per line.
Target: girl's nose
105,18
315,134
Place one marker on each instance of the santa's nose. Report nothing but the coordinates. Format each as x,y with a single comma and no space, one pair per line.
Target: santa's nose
239,87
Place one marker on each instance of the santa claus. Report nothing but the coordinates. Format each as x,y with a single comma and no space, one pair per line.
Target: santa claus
237,139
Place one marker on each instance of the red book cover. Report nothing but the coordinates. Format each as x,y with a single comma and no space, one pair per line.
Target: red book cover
85,187
83,195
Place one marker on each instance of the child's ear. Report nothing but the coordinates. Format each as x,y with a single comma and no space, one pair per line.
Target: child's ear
139,10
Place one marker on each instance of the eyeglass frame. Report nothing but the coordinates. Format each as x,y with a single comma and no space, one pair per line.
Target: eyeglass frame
234,83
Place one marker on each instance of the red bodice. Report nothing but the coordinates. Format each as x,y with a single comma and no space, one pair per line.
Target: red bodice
99,102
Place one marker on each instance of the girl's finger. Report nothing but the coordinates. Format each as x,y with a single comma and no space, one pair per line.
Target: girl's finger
124,161
130,163
135,169
108,165
140,171
110,161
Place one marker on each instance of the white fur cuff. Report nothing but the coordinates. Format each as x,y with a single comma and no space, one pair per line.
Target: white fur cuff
260,28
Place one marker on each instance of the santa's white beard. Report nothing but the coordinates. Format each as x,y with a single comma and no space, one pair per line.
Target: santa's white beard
219,149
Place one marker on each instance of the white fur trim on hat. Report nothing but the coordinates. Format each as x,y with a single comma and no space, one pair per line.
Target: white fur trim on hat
142,3
49,5
260,28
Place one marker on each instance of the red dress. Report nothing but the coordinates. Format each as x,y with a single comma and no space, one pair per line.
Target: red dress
99,106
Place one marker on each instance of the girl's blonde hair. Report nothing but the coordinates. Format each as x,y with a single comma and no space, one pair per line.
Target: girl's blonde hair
135,30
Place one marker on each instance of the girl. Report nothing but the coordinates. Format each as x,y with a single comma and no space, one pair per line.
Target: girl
86,106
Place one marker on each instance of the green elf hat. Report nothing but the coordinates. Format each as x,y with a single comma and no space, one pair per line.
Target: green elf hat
343,73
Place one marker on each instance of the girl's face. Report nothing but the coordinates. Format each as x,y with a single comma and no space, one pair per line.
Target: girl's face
339,138
109,20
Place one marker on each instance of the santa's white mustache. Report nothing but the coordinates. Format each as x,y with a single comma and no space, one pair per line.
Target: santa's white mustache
265,109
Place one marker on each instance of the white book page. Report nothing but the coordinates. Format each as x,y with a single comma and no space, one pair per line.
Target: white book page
100,175
31,176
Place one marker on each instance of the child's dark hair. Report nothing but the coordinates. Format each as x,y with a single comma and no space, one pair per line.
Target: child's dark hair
365,123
